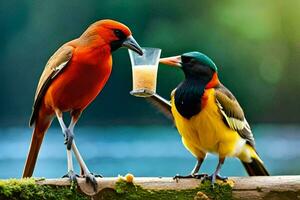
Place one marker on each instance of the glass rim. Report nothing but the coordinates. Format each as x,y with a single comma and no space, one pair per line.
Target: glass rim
154,48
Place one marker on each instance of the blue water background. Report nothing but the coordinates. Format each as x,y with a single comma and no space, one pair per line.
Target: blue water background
142,150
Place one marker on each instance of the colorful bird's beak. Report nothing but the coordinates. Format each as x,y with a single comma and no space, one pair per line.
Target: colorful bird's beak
172,61
130,43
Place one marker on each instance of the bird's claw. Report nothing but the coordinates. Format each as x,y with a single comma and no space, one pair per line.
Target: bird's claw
90,178
97,175
72,176
200,176
212,178
196,176
68,139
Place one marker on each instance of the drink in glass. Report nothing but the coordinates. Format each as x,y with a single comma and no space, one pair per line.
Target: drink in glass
144,71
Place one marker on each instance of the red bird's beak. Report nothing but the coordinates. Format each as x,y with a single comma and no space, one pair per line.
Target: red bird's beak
172,61
130,43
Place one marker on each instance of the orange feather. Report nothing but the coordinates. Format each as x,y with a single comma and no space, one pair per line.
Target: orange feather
74,76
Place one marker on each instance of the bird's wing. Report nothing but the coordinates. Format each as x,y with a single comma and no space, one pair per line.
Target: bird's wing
233,114
161,104
53,67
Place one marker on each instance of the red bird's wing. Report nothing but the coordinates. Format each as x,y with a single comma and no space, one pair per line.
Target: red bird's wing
53,67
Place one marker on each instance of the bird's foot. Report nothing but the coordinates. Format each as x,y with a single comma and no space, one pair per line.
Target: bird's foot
91,178
98,175
68,139
72,176
196,176
212,178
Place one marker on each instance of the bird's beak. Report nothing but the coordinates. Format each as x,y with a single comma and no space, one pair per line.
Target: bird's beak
172,61
130,43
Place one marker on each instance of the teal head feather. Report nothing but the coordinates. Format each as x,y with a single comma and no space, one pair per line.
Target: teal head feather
202,59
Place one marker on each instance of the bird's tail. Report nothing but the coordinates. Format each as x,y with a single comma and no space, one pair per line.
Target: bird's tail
36,141
256,166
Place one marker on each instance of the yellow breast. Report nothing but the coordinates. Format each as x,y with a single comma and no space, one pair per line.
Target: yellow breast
206,131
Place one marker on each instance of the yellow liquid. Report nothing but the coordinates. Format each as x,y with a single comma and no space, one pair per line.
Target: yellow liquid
144,78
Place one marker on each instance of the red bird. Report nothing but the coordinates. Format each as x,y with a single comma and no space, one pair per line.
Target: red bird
71,80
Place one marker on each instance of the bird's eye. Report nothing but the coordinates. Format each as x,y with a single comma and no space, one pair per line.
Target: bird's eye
119,34
192,60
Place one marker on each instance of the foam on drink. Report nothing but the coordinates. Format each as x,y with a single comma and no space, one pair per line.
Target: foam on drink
144,78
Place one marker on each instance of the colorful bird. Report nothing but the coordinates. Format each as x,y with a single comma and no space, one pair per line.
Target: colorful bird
208,116
71,80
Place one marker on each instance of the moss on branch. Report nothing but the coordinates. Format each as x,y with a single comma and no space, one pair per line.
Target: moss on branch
129,191
123,190
27,189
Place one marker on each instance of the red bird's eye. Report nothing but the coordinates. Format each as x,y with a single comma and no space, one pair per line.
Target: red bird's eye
119,34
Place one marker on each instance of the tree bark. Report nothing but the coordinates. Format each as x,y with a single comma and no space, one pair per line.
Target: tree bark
252,188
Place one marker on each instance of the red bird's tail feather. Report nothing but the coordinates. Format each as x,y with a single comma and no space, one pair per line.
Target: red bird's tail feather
36,141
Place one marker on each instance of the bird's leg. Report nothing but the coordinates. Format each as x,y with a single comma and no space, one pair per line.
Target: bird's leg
194,172
67,132
216,174
90,178
196,169
71,174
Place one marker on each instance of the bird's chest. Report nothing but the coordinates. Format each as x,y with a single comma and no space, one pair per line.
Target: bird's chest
188,98
81,81
202,130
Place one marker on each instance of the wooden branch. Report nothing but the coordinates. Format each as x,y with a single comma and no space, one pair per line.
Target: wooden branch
273,187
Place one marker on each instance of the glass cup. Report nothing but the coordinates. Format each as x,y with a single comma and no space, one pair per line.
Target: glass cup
144,71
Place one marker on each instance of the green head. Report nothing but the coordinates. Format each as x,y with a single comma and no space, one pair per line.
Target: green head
195,65
199,58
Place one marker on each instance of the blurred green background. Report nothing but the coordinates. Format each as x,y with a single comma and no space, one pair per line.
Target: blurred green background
255,44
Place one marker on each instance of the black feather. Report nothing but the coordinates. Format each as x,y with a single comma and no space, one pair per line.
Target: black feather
255,168
188,97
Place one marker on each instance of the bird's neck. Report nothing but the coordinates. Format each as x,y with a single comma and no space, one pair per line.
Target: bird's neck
89,50
188,97
214,82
